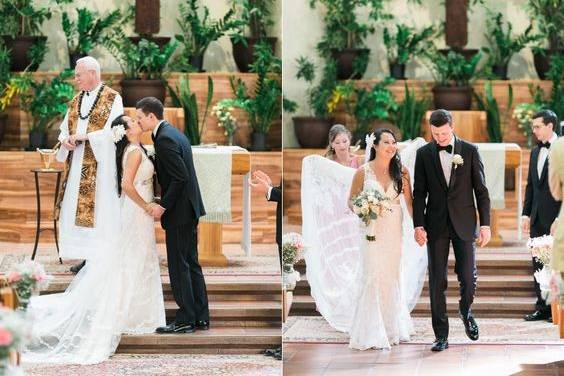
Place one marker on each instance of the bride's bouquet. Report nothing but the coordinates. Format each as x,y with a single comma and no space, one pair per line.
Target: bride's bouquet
541,248
370,205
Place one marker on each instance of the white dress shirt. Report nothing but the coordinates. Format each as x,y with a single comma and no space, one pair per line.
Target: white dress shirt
446,160
157,128
543,154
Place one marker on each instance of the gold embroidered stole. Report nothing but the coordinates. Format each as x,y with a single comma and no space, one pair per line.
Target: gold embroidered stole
87,189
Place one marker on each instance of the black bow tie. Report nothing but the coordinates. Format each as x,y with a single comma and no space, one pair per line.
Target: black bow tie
544,145
447,148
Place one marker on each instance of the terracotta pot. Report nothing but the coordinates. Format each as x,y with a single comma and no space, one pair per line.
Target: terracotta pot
345,59
20,46
542,61
312,132
397,71
134,90
453,98
243,55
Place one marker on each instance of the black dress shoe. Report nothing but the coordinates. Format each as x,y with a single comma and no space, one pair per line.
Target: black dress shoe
202,325
537,316
174,328
278,354
440,344
76,268
472,330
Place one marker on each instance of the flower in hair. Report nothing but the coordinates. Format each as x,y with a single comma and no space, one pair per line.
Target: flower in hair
118,132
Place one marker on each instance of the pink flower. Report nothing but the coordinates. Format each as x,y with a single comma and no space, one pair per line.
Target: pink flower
6,337
14,277
38,277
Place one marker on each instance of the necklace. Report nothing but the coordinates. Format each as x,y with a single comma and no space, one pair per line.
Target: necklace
93,105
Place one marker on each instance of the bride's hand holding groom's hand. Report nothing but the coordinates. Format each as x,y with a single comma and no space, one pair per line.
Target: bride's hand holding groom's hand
485,236
154,210
420,236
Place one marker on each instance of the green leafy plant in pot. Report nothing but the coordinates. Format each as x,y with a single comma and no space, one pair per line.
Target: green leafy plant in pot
45,101
488,103
255,17
503,44
344,34
184,97
409,114
143,68
88,30
312,131
548,18
198,30
366,106
20,27
406,43
264,105
452,73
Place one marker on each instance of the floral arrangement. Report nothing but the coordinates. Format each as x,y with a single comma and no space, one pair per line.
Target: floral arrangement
369,205
225,119
27,278
117,133
541,248
292,252
524,113
13,333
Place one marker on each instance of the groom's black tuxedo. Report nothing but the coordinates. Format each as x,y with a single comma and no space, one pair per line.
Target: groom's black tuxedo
542,209
448,214
183,207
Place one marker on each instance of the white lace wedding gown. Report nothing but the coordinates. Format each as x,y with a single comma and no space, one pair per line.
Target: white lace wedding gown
381,319
120,293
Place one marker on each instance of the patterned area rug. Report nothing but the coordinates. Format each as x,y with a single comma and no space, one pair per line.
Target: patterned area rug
509,331
244,365
263,262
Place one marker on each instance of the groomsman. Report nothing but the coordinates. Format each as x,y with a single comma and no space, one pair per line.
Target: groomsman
540,209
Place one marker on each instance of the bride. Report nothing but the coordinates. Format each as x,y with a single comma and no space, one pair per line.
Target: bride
115,294
364,288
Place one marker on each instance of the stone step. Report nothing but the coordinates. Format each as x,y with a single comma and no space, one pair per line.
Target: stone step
213,341
483,306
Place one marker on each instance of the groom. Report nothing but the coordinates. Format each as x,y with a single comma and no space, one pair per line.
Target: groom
180,208
448,174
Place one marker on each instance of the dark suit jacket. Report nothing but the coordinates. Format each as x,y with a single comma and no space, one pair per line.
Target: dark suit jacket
276,196
539,204
454,202
176,174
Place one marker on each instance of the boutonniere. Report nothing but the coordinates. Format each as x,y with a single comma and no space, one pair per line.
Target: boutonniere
457,160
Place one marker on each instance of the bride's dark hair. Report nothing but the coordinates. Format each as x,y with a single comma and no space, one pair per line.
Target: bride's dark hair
395,163
121,145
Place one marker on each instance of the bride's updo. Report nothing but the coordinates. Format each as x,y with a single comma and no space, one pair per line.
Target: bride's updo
395,163
121,145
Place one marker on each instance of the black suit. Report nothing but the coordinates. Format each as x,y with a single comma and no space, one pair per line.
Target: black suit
276,196
541,208
448,214
183,207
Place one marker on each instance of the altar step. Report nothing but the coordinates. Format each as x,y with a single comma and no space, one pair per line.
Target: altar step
213,341
484,306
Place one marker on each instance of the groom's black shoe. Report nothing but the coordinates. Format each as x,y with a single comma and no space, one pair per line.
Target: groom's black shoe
440,344
174,328
471,327
537,316
76,268
202,325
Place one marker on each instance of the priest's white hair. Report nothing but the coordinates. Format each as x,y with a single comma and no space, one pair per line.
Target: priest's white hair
91,64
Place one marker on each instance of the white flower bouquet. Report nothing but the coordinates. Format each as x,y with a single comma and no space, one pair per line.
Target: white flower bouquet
292,252
370,205
541,248
225,119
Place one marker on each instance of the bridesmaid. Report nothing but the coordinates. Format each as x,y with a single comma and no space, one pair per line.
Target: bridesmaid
339,148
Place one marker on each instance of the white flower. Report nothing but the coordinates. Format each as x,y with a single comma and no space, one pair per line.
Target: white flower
457,160
118,132
150,152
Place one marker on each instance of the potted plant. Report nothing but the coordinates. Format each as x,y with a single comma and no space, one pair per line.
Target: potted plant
313,131
548,16
5,94
292,252
255,20
185,98
197,32
21,22
453,73
344,34
45,101
488,103
409,114
265,104
405,44
142,66
87,31
366,106
503,44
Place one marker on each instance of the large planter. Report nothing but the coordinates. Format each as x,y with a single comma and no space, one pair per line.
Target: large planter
397,71
37,139
243,55
542,61
500,71
198,62
3,125
73,57
134,90
312,132
453,98
346,58
20,46
258,140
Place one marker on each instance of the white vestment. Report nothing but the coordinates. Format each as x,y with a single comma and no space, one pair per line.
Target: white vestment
90,242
